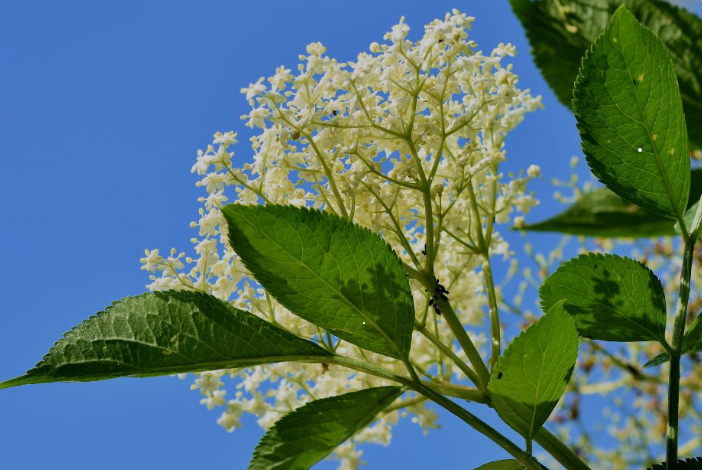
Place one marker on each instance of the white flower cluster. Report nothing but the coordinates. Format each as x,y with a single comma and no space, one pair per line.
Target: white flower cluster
406,140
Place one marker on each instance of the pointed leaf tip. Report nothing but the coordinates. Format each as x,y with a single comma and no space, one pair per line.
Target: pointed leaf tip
503,465
529,379
629,113
163,333
558,45
307,435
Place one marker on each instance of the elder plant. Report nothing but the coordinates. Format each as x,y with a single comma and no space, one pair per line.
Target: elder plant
340,275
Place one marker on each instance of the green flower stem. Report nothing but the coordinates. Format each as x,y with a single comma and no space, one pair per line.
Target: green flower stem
467,417
428,281
329,175
481,426
483,375
559,451
427,391
447,351
458,391
484,250
678,334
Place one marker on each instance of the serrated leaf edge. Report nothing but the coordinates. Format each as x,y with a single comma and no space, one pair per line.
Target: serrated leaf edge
392,390
603,256
338,222
622,10
523,333
22,379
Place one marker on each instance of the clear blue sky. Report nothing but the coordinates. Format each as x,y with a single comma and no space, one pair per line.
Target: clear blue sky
102,107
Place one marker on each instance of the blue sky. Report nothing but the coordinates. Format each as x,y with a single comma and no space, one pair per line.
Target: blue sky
102,108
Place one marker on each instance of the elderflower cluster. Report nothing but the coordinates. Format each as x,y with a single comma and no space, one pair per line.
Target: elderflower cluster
409,132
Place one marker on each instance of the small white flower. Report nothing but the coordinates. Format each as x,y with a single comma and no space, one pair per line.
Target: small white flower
254,89
214,399
227,138
257,117
316,49
335,136
533,171
152,260
207,383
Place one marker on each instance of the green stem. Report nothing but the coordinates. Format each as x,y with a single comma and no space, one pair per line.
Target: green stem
671,446
671,449
329,175
483,375
447,351
484,249
559,451
548,441
464,340
457,391
481,426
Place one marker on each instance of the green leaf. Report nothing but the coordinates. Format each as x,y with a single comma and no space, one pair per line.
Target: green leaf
626,99
610,298
658,360
688,464
692,343
601,213
689,217
560,31
307,435
529,379
502,465
328,271
166,333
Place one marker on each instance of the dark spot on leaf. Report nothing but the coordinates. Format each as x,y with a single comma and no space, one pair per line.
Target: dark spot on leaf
499,376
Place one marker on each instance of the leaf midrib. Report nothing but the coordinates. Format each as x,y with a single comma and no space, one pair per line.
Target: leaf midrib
642,113
140,371
360,424
537,389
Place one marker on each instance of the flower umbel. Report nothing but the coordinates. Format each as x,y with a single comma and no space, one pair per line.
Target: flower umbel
405,140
